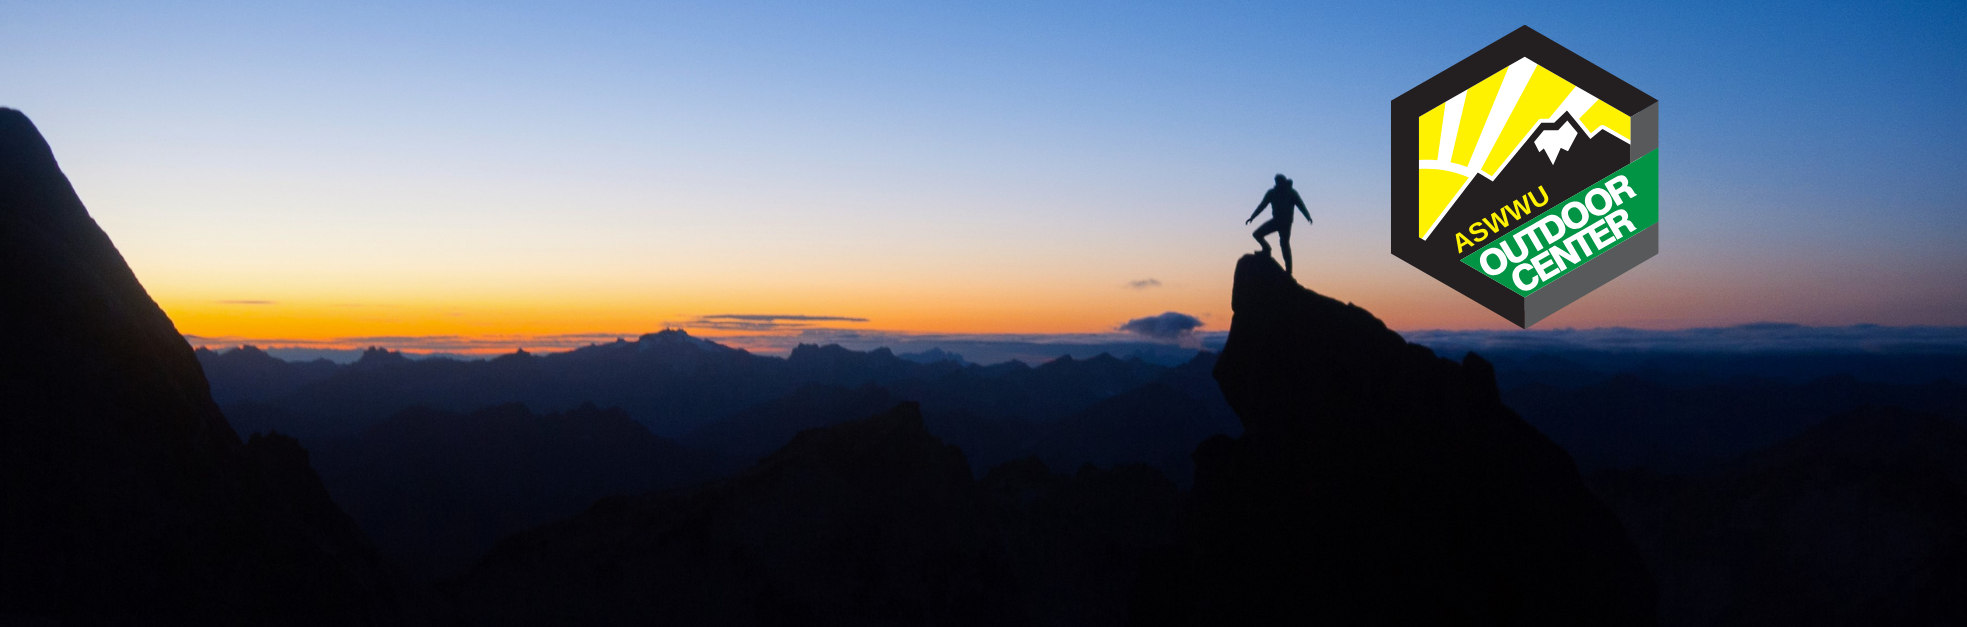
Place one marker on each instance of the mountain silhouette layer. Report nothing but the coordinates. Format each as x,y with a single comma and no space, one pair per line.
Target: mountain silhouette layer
756,431
436,489
869,522
1694,428
128,497
1376,483
1156,423
671,382
1078,541
251,375
1859,520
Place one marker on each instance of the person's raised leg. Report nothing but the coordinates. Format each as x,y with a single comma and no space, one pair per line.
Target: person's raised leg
1266,229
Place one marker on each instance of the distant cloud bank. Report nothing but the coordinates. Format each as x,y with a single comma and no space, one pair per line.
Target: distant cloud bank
1143,284
761,322
1169,326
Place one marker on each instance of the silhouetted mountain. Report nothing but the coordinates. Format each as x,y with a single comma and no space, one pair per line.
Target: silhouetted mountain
1860,520
754,432
749,434
1569,368
1376,483
1078,542
674,383
248,374
1674,428
988,442
933,356
1154,424
436,489
1158,423
129,499
1515,369
870,522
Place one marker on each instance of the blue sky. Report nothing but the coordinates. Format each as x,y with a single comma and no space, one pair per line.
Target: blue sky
568,167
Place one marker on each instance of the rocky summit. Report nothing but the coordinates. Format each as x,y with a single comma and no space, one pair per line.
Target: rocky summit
1378,484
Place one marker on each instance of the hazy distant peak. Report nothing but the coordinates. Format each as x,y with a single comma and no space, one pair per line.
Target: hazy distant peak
809,352
678,337
377,356
933,356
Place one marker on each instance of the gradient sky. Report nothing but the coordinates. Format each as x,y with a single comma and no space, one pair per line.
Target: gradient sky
302,170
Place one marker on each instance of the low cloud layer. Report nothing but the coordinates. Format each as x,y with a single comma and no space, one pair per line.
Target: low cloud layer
761,322
1170,326
1143,284
246,302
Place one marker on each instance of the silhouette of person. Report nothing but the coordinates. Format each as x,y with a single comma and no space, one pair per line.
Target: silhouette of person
1281,200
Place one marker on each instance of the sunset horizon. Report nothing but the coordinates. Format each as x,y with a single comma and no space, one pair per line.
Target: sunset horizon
1008,314
525,172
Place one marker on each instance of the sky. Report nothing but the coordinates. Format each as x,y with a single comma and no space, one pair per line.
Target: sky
310,171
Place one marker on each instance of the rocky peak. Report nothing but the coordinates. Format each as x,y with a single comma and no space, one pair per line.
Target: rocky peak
1376,483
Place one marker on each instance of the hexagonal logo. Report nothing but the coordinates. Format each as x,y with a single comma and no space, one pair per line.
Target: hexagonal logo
1538,177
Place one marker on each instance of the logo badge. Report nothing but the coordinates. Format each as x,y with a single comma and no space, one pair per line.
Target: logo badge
1537,177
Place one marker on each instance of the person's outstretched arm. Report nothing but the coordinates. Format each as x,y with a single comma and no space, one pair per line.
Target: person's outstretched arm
1300,202
1260,209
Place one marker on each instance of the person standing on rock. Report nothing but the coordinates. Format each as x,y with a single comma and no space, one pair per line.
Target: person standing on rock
1281,199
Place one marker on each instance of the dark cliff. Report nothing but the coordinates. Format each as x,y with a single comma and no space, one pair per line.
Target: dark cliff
1376,483
128,498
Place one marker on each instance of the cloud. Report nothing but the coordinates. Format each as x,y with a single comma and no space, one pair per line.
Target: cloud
1142,284
774,317
761,322
1169,326
246,302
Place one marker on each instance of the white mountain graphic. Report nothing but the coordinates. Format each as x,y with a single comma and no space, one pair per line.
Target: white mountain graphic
1555,140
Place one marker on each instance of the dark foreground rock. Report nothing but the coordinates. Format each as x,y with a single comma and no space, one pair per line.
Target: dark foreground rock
1378,484
869,522
1078,541
128,499
1860,520
437,489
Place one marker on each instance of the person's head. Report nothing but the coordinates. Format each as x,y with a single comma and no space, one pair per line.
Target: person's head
1282,181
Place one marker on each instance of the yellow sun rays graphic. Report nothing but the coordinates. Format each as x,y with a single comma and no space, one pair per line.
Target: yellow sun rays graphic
1476,132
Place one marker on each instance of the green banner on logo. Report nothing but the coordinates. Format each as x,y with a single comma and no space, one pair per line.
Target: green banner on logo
1571,232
